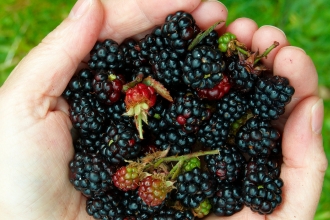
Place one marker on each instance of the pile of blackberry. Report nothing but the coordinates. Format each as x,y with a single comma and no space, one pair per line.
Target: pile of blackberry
221,103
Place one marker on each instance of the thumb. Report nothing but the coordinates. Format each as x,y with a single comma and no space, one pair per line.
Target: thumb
48,67
304,160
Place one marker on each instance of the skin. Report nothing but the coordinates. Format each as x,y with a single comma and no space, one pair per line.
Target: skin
35,140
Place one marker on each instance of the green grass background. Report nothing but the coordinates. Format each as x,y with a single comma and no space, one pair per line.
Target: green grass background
23,24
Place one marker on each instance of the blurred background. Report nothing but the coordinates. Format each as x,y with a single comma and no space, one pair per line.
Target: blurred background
24,23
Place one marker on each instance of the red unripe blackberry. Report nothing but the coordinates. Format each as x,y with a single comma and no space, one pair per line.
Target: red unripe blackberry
126,178
153,190
217,92
139,94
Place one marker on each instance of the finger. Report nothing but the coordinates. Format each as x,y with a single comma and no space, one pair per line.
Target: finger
263,38
48,68
244,29
294,64
208,13
127,18
304,161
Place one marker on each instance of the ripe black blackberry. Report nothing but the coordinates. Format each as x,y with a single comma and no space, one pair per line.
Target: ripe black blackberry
90,143
115,113
180,28
203,68
132,57
87,115
90,174
136,208
262,186
187,112
168,213
156,118
105,206
270,97
214,132
193,187
257,137
167,68
121,143
210,40
232,106
227,200
177,140
143,71
227,166
152,44
107,86
79,85
106,55
240,77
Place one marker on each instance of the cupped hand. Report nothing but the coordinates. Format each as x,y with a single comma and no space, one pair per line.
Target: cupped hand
36,144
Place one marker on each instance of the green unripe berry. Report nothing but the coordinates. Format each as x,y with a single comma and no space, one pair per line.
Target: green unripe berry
191,164
224,40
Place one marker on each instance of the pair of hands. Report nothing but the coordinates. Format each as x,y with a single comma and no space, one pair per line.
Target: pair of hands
35,139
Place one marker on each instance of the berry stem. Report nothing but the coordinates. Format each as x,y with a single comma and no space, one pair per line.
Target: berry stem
266,52
184,157
131,84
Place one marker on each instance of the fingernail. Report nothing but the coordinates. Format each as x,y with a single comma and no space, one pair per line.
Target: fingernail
271,26
80,8
317,116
